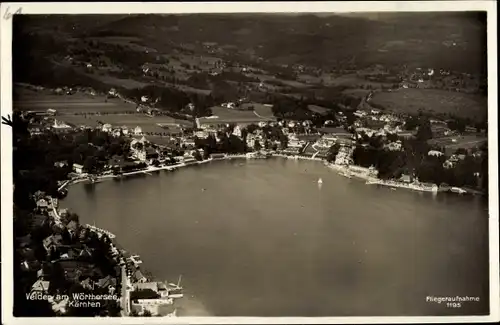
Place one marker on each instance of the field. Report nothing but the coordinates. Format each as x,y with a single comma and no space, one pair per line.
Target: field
147,124
308,79
285,83
357,93
162,141
70,109
79,120
188,89
465,142
113,81
226,115
410,101
350,80
68,104
319,109
261,110
131,43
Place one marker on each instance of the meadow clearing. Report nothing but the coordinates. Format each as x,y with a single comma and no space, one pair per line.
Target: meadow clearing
260,110
147,124
29,100
432,101
451,144
222,115
319,109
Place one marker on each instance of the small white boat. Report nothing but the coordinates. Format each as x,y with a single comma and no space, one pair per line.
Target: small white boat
458,190
320,181
136,259
175,290
345,174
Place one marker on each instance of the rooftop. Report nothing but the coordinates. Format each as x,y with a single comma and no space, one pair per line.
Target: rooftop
333,130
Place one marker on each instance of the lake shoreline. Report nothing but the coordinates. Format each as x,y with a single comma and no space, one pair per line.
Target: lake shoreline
340,169
174,236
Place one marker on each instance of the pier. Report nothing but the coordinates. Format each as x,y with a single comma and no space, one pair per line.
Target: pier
63,185
100,231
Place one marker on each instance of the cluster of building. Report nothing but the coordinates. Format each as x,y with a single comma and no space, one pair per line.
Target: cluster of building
302,138
146,296
64,246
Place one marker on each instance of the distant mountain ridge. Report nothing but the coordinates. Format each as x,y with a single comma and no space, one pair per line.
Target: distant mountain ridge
454,41
329,39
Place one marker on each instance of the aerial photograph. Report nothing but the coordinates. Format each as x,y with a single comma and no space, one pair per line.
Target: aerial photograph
250,164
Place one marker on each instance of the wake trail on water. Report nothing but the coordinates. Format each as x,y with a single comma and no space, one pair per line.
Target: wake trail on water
189,306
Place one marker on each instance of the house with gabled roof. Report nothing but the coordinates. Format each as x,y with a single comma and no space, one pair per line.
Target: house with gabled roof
52,242
106,282
40,286
139,277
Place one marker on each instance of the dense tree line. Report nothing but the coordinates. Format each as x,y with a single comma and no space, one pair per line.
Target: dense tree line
226,144
414,160
291,108
34,171
34,165
333,152
173,100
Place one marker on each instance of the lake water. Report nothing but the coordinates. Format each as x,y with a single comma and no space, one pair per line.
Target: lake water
265,239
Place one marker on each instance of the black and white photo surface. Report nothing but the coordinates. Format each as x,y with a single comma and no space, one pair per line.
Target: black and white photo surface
323,163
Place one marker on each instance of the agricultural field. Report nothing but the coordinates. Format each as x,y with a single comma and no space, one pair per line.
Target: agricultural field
148,124
188,89
226,113
132,43
222,115
309,79
162,141
283,82
357,93
185,65
432,101
319,109
136,119
465,141
350,80
261,110
27,100
79,120
118,82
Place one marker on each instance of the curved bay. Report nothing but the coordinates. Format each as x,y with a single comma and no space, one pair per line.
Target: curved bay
264,239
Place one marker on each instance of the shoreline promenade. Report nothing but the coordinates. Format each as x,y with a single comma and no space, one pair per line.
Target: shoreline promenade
341,169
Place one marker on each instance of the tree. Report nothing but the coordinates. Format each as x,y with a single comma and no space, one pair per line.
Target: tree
267,144
257,146
251,128
411,123
376,142
90,164
332,152
197,155
424,132
457,124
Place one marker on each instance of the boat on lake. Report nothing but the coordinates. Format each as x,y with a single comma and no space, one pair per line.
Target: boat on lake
136,259
175,290
320,181
345,174
458,190
92,179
